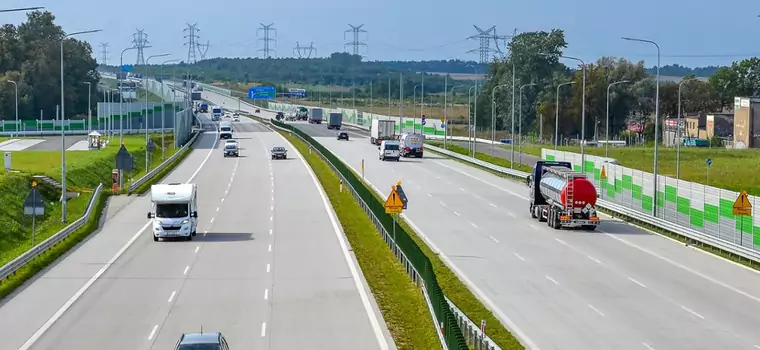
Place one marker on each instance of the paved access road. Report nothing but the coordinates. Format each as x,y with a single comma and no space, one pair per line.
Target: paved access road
501,151
616,288
269,268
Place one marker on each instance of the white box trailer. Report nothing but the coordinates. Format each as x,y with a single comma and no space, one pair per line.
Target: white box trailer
382,130
175,210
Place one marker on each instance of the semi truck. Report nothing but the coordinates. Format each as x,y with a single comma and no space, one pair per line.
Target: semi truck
302,113
382,130
204,107
314,116
562,197
334,120
411,145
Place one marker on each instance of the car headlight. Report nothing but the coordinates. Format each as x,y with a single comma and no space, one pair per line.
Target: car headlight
185,221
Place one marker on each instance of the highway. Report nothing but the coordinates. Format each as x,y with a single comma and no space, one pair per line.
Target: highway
619,287
269,267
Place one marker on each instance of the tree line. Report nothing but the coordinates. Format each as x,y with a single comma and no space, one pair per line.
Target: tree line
30,57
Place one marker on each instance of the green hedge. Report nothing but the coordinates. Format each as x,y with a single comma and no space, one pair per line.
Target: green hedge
453,335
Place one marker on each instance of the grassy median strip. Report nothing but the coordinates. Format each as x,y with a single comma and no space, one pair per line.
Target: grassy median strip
401,302
706,247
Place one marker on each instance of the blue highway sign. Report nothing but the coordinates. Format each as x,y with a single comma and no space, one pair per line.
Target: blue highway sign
261,93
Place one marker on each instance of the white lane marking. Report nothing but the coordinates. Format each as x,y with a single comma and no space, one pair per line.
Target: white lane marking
153,332
442,203
197,249
273,198
457,214
649,347
266,294
519,257
217,208
449,182
637,282
473,225
692,312
57,315
593,259
685,268
511,214
534,227
595,309
268,267
187,268
477,197
552,280
211,221
270,231
271,218
756,347
171,297
430,195
373,318
461,189
205,232
561,241
263,329
222,199
493,205
270,248
271,207
494,239
483,181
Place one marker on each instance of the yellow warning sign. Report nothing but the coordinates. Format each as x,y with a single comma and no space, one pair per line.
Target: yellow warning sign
742,206
603,176
394,204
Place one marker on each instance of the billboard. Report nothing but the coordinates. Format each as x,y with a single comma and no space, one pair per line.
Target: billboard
297,93
261,93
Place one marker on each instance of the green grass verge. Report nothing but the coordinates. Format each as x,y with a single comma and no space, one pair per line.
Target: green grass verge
22,275
646,225
402,304
731,169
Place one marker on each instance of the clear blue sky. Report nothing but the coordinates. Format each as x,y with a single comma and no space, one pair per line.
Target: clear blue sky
417,30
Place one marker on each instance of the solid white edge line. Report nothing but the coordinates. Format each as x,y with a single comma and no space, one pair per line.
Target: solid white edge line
511,325
66,306
373,319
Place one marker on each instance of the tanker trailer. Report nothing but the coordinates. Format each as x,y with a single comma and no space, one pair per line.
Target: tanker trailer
562,197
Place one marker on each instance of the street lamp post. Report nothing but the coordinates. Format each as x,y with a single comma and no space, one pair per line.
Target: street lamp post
389,95
556,117
15,85
607,124
469,119
163,109
493,119
145,78
656,118
678,132
63,134
445,111
583,112
519,126
414,107
89,106
121,96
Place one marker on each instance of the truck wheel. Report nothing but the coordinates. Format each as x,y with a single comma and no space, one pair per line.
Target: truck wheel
539,214
532,211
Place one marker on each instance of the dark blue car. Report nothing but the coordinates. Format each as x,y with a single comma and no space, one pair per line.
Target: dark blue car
202,341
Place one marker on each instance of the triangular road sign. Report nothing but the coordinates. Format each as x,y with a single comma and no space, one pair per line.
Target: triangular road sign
742,206
394,204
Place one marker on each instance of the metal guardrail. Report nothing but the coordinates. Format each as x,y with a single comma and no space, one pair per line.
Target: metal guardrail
10,268
147,177
689,233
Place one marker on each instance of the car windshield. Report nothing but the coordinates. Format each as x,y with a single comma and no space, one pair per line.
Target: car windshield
278,149
199,347
225,128
392,147
231,146
171,211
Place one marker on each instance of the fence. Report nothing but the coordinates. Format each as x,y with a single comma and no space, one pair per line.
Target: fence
10,268
417,265
692,205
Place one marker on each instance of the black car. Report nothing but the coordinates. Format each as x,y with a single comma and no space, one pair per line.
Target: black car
279,153
258,110
343,135
280,116
202,341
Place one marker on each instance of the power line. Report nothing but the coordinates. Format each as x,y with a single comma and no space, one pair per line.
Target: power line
104,52
302,51
266,39
355,43
140,41
192,42
484,38
203,49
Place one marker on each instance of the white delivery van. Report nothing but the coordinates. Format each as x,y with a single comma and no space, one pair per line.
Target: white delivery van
225,130
411,145
175,210
389,149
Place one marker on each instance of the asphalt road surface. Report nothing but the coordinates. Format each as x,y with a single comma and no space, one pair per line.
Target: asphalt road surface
269,268
616,288
502,152
53,143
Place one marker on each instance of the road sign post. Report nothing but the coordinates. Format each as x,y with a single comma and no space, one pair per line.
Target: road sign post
709,163
742,207
395,204
124,162
34,205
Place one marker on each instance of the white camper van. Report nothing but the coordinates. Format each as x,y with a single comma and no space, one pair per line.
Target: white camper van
174,211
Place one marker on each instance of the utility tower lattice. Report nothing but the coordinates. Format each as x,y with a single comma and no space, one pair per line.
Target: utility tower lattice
484,37
140,41
267,39
355,43
192,42
104,51
304,50
203,49
497,37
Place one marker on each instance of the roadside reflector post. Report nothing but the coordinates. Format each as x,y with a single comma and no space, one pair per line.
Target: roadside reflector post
362,168
341,185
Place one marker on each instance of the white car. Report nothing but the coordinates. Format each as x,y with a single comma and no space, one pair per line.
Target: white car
235,119
389,149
